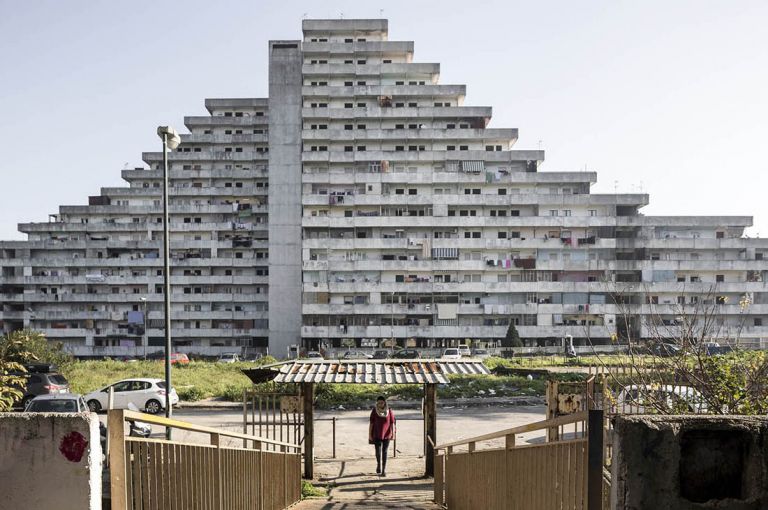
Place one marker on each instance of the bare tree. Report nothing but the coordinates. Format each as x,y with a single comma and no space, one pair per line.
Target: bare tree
685,357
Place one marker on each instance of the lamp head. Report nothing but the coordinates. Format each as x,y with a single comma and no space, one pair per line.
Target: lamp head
173,139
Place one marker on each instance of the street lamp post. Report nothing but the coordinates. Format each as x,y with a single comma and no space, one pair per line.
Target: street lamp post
171,140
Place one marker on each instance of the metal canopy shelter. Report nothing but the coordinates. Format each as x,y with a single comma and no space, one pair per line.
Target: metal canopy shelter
428,372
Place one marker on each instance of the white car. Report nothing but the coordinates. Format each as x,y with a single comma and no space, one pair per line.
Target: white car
451,353
643,399
147,394
229,357
464,350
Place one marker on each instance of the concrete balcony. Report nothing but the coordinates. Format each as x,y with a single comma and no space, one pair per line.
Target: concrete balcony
408,135
456,221
134,263
376,112
424,157
221,139
189,175
358,47
246,156
220,120
429,91
472,332
410,69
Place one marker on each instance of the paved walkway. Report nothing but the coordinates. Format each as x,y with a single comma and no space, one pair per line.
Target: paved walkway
353,485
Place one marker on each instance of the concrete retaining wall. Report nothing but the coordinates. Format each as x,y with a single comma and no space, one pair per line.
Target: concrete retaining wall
50,461
690,462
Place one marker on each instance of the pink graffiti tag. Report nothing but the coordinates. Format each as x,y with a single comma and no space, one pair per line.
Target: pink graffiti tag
73,446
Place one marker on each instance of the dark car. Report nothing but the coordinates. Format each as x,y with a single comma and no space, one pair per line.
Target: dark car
380,354
407,354
42,379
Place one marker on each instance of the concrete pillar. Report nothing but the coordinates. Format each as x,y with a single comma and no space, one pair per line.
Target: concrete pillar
285,61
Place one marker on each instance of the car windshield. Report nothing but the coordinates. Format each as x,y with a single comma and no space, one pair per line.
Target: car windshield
451,351
58,379
480,351
52,406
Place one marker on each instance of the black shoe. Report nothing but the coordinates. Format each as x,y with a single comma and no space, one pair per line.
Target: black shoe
378,470
383,474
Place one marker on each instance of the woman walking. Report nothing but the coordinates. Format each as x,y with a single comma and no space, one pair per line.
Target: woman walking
380,431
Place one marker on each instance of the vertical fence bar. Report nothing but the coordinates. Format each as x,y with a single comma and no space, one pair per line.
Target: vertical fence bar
117,459
595,460
334,437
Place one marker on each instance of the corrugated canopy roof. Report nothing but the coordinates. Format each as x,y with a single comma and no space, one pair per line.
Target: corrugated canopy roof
418,371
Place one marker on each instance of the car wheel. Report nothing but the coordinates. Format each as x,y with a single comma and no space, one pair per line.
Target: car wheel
94,406
26,401
153,407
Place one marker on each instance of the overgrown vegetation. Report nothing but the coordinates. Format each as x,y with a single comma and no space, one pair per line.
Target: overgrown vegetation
308,490
196,381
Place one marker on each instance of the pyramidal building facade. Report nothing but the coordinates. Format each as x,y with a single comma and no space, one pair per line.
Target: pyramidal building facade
364,204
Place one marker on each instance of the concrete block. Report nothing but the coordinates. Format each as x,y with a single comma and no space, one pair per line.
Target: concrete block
50,460
690,462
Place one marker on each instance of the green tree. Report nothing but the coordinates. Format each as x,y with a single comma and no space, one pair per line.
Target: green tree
512,338
12,379
25,346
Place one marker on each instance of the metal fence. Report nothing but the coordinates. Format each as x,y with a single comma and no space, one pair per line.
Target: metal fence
557,473
149,474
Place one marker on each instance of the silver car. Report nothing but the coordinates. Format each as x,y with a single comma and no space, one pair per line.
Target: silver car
57,403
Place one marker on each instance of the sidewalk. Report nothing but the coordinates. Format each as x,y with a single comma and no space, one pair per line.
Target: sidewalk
353,485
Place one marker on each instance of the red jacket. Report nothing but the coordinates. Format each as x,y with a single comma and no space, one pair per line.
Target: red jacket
383,428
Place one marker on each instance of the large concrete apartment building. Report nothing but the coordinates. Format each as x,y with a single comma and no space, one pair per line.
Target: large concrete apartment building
362,202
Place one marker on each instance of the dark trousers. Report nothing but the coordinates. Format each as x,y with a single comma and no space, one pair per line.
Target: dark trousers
381,446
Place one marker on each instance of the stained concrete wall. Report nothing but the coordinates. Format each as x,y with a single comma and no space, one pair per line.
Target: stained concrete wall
285,60
690,462
50,460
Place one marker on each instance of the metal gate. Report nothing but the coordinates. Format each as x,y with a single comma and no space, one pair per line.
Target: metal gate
275,416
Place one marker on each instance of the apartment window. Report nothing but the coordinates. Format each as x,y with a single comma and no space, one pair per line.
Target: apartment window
348,61
450,148
361,126
593,212
412,105
349,105
348,83
400,191
720,278
361,83
502,235
463,147
412,191
399,148
387,61
412,148
348,127
719,235
566,212
553,212
361,105
361,62
451,126
758,321
348,148
361,148
502,191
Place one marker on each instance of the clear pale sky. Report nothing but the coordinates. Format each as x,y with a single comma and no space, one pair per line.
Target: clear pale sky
667,96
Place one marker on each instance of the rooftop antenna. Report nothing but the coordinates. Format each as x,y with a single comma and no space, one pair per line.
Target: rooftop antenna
540,143
616,187
341,15
125,165
641,186
381,12
304,16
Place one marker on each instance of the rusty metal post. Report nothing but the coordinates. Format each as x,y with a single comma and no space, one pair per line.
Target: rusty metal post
334,437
